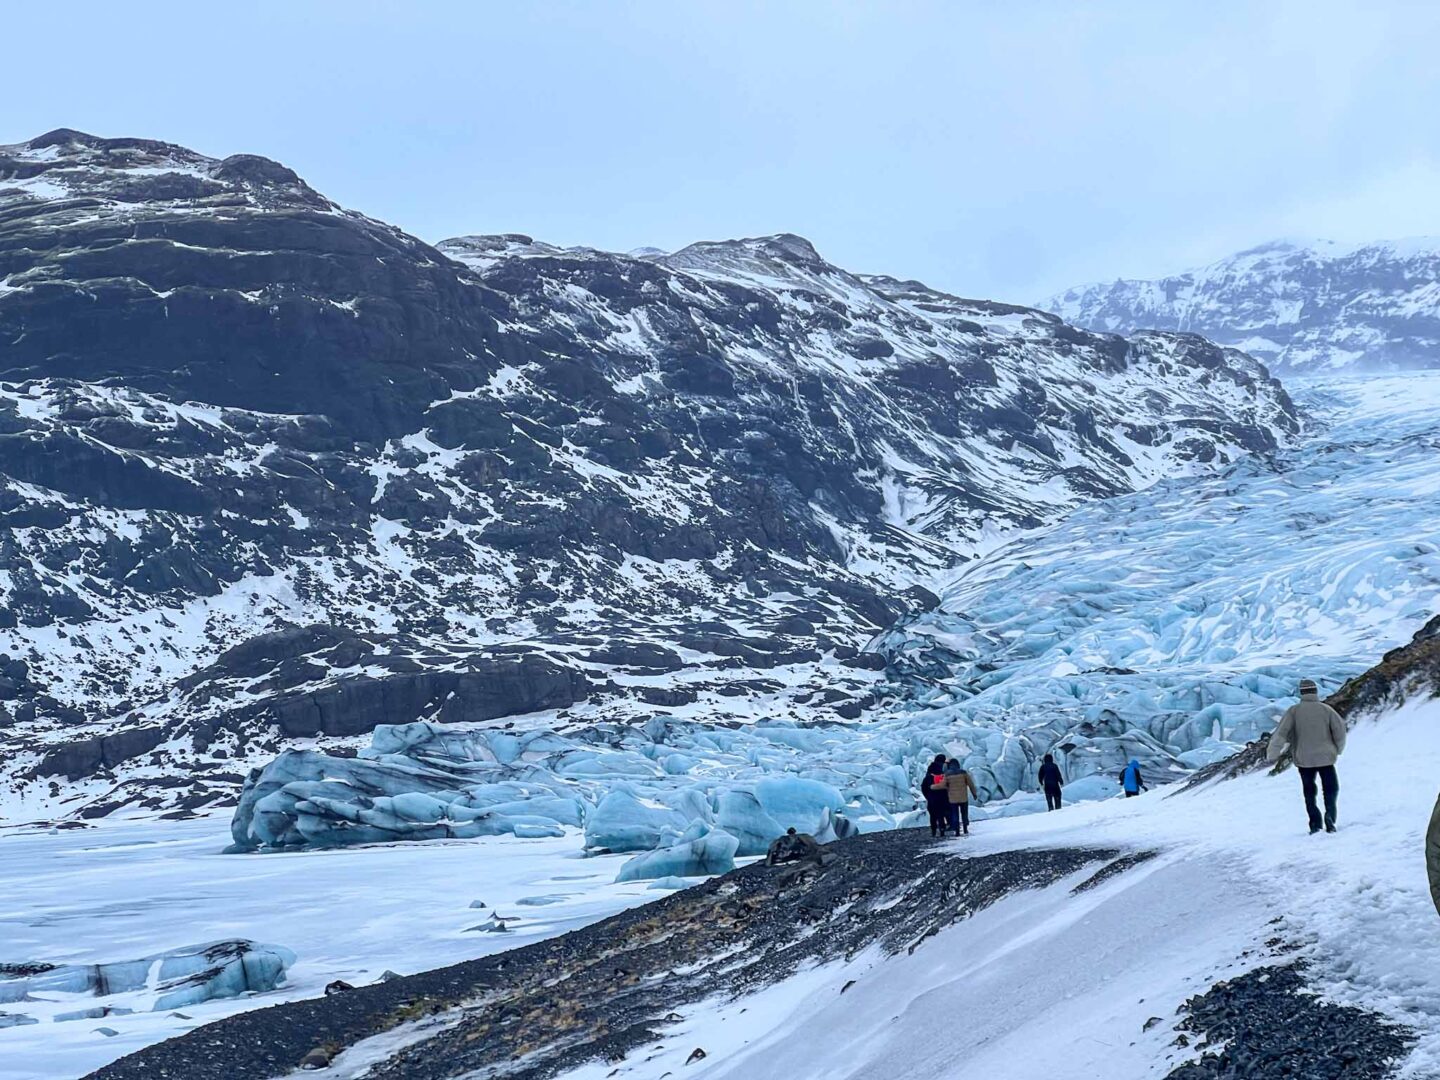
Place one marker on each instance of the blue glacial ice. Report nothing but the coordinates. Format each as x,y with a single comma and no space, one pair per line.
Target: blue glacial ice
188,976
700,851
1174,624
1171,625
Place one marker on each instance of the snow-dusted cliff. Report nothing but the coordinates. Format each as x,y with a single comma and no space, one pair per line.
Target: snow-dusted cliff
1302,307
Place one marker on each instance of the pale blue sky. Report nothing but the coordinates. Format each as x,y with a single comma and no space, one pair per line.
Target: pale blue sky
993,149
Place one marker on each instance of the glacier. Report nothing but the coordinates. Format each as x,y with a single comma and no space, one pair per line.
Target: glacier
1170,625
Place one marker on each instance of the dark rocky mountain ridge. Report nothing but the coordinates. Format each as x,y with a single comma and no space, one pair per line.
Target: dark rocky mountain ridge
272,470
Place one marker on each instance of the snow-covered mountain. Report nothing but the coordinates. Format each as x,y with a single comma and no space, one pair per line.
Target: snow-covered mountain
1301,307
272,471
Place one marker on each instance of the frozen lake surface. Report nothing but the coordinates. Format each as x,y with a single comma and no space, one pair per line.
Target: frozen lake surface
132,889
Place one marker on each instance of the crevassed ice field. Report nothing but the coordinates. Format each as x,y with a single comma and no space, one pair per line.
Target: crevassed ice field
1169,625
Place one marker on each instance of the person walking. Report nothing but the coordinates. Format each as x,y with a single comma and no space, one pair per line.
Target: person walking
959,786
1315,735
1131,780
1051,782
937,802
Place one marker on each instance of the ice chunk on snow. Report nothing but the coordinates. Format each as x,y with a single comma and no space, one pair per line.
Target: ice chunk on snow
803,805
740,814
220,969
700,852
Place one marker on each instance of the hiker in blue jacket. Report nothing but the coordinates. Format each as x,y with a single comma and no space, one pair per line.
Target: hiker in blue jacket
1131,780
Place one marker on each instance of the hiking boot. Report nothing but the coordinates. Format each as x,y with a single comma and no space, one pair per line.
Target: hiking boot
1329,826
1314,829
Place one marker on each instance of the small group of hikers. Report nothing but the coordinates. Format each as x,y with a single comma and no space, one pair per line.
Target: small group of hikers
1312,730
947,788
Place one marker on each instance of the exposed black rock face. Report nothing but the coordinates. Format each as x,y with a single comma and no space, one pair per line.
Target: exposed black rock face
506,476
74,760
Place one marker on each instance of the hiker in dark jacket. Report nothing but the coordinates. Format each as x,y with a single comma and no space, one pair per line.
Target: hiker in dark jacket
1131,780
1316,737
959,786
1051,782
936,801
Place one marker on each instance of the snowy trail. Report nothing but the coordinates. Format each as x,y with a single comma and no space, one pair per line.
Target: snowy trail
1048,985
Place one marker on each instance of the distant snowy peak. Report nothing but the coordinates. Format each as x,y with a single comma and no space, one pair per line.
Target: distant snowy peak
1300,306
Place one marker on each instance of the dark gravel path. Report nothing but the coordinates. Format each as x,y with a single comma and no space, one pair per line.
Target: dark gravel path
608,988
1269,1027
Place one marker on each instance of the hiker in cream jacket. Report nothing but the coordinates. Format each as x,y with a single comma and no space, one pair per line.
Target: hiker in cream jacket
1315,734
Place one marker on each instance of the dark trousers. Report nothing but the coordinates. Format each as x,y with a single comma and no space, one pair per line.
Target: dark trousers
959,814
1329,783
938,813
1052,798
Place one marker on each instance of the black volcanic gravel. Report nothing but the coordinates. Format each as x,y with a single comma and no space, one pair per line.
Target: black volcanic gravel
1267,1026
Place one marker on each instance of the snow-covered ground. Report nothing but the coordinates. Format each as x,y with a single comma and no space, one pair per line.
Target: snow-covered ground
133,889
1046,985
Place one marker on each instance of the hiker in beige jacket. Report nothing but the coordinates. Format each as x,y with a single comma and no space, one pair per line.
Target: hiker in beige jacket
959,786
1315,734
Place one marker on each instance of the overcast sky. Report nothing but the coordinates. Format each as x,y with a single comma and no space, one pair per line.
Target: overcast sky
1004,150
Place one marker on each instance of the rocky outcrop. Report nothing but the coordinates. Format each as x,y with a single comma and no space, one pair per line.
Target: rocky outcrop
83,757
486,690
1412,670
